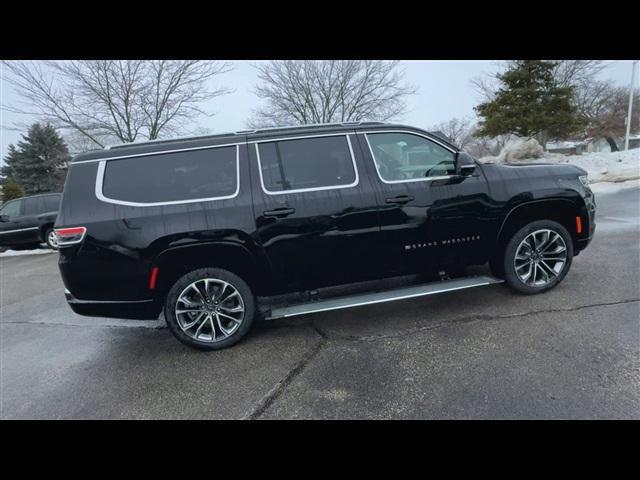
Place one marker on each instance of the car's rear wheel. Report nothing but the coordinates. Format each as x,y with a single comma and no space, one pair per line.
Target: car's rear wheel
51,238
538,257
209,309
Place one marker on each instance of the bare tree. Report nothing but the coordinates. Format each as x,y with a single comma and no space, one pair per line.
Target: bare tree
609,112
458,130
312,91
103,101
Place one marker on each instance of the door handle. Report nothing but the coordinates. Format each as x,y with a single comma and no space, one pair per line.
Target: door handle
279,212
399,199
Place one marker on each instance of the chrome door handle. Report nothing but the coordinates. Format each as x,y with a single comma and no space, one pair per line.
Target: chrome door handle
399,199
279,212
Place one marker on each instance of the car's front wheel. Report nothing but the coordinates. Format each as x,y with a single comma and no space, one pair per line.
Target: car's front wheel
209,308
538,257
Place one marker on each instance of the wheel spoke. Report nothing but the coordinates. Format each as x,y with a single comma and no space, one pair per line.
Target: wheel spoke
222,329
198,292
195,321
197,334
239,308
221,292
554,259
188,302
547,269
191,310
229,317
231,295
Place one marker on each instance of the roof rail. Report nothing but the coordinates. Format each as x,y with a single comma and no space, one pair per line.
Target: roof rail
246,132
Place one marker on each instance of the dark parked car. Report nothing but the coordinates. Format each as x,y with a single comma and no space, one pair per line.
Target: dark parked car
202,227
29,220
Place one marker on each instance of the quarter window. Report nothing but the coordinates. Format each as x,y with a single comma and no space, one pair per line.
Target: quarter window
401,157
306,164
173,177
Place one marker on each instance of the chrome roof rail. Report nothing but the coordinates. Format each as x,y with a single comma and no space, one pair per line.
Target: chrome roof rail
245,132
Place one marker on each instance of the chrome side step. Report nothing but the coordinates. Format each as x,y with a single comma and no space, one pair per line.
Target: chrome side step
380,297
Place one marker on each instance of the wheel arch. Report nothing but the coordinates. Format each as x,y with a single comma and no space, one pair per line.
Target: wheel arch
174,262
561,210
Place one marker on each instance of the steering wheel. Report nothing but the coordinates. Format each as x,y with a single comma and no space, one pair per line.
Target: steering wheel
428,172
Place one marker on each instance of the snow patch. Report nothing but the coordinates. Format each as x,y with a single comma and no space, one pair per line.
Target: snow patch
610,187
601,166
517,150
18,253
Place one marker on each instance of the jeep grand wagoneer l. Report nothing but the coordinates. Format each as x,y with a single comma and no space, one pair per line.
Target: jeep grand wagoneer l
200,227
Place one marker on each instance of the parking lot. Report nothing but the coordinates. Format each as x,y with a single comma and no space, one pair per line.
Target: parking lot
572,353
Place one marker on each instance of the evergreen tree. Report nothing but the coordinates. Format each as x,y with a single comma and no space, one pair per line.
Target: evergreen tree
530,103
39,161
11,189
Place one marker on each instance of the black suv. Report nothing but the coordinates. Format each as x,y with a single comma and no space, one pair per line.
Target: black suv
201,227
29,220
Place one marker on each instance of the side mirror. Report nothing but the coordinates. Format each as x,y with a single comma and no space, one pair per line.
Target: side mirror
465,163
467,170
4,218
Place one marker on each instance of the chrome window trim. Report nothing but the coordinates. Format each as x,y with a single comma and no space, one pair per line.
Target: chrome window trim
18,230
315,189
101,172
159,152
409,180
275,138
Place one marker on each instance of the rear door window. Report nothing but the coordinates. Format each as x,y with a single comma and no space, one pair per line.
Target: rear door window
172,177
33,205
306,164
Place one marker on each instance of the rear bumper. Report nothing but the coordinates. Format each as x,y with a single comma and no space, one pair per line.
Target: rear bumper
134,310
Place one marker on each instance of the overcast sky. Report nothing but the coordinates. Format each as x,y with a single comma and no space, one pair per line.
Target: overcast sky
444,92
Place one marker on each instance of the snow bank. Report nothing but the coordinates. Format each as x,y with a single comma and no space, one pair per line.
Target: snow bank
605,166
602,188
17,253
602,166
517,150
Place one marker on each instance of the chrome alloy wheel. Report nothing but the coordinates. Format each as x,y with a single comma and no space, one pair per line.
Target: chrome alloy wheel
52,239
540,258
210,310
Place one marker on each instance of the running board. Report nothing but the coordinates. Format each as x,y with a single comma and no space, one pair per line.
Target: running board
380,297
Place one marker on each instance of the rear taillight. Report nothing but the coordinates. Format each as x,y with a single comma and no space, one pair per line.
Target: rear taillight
70,236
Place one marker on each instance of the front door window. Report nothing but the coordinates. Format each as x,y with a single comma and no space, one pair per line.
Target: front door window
402,157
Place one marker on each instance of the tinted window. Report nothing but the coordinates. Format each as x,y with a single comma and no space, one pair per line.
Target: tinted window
171,177
12,209
33,205
306,163
402,156
51,203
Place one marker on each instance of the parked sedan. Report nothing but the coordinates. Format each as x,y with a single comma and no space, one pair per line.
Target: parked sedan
29,220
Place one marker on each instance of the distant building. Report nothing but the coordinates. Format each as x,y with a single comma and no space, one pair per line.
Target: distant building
588,145
567,148
601,145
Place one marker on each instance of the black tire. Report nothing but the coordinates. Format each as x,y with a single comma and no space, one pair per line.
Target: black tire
212,273
48,241
508,265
